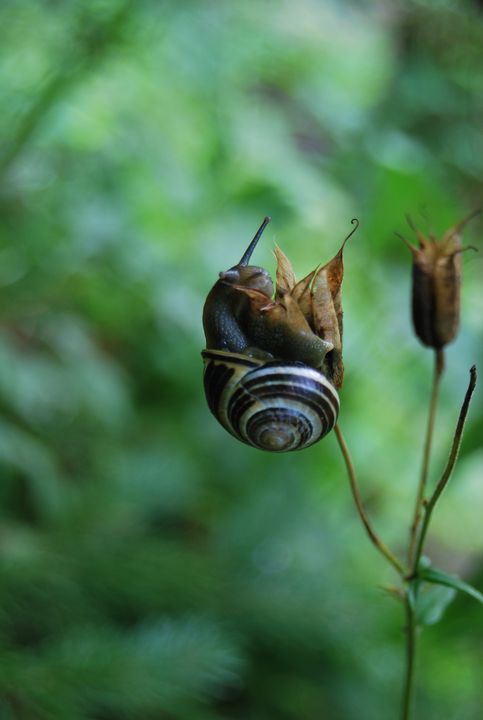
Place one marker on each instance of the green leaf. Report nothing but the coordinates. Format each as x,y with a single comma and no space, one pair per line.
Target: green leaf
438,577
431,603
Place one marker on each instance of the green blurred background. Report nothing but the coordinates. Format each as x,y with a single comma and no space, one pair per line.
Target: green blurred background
151,566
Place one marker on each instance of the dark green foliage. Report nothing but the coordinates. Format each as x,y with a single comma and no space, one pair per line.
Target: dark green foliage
151,566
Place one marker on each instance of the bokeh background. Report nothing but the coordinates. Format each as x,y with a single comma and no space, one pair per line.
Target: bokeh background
151,566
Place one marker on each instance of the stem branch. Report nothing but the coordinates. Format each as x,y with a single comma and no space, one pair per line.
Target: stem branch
375,539
438,371
429,506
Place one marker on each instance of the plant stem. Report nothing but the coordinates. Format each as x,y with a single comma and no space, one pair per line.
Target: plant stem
429,506
375,539
437,373
408,687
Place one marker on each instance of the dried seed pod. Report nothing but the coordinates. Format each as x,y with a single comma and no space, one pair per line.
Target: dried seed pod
436,285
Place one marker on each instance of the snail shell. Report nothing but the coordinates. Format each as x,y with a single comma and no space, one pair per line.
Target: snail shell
272,405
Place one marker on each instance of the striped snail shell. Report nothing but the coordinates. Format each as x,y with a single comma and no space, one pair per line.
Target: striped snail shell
272,405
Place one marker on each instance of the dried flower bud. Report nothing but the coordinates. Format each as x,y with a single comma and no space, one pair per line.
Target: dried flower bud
304,320
318,299
436,285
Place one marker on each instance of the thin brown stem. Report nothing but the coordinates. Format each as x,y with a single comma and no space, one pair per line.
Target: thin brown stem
437,373
408,686
458,435
374,537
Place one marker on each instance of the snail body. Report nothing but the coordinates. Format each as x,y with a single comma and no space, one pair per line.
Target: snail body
227,307
270,368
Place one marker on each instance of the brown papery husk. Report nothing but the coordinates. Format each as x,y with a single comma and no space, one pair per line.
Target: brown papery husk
285,280
436,289
436,300
327,312
302,294
437,284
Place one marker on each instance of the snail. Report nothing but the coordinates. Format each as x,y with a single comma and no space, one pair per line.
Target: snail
273,358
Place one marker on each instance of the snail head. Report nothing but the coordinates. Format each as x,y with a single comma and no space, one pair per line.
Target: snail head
250,276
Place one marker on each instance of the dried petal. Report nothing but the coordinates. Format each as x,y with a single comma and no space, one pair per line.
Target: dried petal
285,273
327,312
302,294
257,298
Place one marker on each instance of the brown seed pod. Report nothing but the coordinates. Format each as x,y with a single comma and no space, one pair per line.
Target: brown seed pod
436,284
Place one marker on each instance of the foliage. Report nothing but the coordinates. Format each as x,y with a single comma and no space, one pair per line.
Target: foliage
151,566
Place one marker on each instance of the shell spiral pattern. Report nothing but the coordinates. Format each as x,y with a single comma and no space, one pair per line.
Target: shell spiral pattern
272,405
